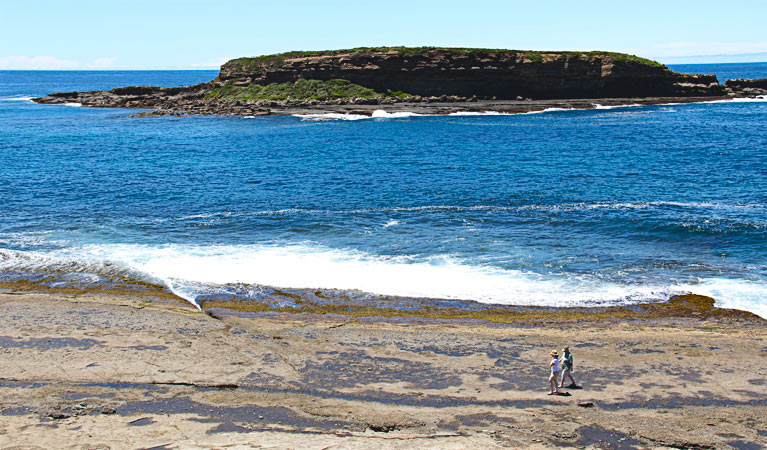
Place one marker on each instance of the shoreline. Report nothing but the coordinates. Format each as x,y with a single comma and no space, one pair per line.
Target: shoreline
506,107
434,106
138,372
353,304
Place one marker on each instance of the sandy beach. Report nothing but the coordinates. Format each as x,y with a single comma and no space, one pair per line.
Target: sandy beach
88,371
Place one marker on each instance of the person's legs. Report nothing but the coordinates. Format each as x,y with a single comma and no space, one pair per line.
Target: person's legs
553,383
569,375
566,374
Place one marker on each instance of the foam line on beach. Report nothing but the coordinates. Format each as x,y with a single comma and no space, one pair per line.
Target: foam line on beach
633,105
377,114
191,271
741,294
382,114
188,270
478,113
83,267
757,99
330,116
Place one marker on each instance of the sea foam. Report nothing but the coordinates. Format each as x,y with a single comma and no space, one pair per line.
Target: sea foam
382,114
305,266
191,271
757,99
330,116
734,293
17,99
633,105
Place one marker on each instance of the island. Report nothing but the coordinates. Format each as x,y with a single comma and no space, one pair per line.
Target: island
422,80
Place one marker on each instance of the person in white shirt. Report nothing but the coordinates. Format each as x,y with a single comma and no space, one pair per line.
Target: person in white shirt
554,364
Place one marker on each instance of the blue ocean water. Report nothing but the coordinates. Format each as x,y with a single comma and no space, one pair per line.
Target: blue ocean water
724,71
589,207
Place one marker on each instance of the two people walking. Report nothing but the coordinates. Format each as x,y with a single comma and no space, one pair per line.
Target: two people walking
566,364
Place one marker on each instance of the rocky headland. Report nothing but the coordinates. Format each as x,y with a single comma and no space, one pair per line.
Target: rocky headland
141,370
424,79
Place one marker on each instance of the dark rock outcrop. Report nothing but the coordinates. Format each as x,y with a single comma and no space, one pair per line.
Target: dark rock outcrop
500,74
133,97
747,87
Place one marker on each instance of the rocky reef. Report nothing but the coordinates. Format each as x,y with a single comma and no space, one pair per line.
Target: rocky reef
447,79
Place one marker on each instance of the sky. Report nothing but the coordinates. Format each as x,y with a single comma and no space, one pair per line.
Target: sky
203,34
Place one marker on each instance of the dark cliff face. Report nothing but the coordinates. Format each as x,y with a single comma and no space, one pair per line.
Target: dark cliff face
747,87
745,83
480,73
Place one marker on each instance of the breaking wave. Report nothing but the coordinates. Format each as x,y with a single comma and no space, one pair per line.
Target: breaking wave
191,271
757,99
17,99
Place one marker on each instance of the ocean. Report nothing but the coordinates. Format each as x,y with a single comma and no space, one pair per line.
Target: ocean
590,207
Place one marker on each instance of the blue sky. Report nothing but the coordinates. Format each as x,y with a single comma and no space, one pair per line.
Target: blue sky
202,34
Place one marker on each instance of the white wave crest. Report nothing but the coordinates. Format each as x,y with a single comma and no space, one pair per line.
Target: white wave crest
17,99
550,110
478,113
633,105
190,271
330,116
73,104
377,114
757,99
381,114
391,223
734,293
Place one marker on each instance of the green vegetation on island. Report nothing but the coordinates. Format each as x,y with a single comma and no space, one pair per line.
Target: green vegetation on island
279,59
300,90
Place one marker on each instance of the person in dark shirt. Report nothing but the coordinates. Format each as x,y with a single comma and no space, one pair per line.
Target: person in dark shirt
567,368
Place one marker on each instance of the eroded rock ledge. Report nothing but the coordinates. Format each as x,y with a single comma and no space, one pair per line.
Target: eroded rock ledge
430,79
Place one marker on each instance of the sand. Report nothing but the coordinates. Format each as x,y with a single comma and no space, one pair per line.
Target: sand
122,372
